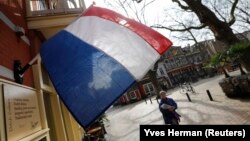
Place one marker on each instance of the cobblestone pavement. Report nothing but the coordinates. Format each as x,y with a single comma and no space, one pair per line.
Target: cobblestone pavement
124,121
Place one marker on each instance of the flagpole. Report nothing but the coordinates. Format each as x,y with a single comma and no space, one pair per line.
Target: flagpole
29,64
19,70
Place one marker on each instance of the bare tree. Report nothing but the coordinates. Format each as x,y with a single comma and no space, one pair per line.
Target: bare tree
243,15
133,10
219,26
196,18
176,22
220,17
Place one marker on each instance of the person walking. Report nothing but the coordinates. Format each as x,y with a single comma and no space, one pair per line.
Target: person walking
168,108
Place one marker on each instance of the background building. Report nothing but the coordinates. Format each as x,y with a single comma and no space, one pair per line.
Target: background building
32,111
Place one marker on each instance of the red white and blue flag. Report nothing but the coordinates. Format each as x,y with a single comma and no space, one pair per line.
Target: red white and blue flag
94,60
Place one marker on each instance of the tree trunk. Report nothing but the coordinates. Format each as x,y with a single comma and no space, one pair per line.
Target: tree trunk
153,79
245,61
220,29
241,70
225,72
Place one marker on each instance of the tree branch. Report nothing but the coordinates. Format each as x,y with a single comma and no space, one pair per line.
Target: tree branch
232,17
120,3
138,1
189,31
218,12
182,6
146,4
183,38
135,11
243,11
243,19
179,30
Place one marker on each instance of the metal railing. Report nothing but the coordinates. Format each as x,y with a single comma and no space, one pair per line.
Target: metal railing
53,7
186,88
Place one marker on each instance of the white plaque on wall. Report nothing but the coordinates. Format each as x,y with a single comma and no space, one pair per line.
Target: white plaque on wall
21,112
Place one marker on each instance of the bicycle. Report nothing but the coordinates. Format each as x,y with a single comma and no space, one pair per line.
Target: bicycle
186,88
95,133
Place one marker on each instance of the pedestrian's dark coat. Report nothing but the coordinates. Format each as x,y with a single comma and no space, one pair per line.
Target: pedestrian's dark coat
169,115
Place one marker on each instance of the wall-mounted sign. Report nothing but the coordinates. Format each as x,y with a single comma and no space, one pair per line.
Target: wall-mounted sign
21,112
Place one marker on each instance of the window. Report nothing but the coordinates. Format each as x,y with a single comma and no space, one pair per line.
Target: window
45,76
57,118
37,5
73,3
48,103
149,88
161,71
132,95
43,139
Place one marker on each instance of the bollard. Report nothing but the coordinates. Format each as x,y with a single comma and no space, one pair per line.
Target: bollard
188,97
209,95
150,100
157,100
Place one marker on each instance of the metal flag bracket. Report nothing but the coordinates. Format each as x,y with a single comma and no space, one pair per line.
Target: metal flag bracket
19,70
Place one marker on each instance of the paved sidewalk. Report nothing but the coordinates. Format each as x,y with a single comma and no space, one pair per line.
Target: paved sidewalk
125,121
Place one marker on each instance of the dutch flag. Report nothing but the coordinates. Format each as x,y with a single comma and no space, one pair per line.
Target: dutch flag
94,60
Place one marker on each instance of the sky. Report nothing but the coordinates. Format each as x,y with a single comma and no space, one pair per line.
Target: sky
154,14
168,13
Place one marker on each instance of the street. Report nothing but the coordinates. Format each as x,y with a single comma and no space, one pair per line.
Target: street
124,121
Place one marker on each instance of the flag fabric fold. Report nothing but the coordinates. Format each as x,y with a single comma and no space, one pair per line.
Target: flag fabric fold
94,60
